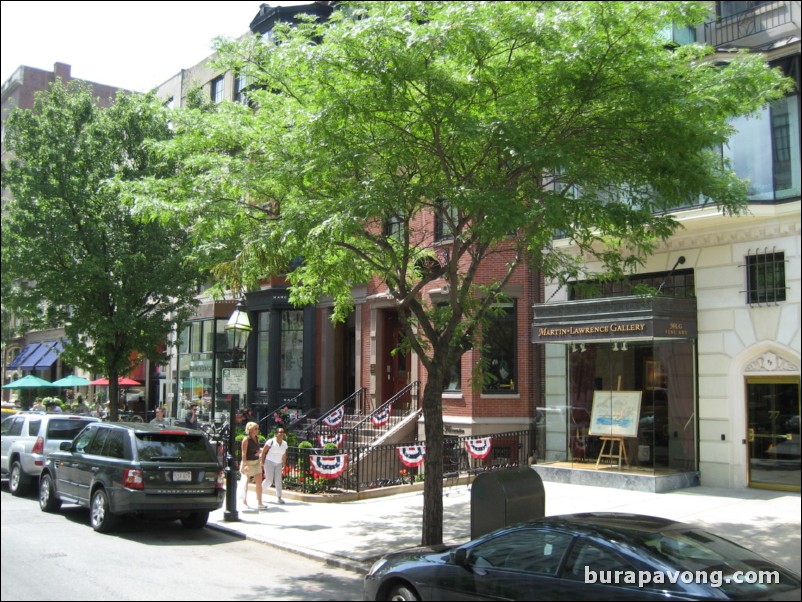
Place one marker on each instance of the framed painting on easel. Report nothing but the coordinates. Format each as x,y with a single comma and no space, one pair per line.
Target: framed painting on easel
615,413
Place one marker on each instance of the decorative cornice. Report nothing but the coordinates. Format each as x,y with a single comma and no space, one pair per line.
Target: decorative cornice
771,362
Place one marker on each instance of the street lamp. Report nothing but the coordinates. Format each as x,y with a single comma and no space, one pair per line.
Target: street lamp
238,329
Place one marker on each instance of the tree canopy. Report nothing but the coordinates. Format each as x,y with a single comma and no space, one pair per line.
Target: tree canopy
74,254
512,122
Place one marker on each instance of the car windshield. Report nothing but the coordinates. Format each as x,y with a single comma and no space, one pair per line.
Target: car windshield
726,565
173,447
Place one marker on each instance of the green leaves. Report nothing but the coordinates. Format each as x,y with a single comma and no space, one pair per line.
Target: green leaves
75,251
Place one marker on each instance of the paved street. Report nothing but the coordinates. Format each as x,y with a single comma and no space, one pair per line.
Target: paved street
60,557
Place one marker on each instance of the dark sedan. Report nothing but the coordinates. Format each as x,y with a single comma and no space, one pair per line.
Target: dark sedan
125,468
593,556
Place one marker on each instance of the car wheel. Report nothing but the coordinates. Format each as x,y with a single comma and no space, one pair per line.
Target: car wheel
18,481
100,514
401,593
195,520
48,501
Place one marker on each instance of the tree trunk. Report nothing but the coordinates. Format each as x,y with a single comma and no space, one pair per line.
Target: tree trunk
433,466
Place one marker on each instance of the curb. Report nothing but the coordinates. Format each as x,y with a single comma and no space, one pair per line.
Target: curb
328,559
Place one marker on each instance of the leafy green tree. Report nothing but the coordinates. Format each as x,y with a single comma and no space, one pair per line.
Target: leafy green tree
74,253
512,122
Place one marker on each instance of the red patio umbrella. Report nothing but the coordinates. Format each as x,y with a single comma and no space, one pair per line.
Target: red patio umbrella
123,381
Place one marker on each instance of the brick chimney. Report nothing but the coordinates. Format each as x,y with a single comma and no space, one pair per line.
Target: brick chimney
62,70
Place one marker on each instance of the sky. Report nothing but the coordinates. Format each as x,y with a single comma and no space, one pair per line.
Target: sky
131,45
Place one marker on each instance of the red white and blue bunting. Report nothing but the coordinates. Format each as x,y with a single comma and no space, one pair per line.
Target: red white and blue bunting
337,439
335,418
328,467
478,447
381,417
412,455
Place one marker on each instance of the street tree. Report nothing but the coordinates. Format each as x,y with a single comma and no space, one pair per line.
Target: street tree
74,253
512,122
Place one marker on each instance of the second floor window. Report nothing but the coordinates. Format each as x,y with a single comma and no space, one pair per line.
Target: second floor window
765,278
445,218
218,89
240,84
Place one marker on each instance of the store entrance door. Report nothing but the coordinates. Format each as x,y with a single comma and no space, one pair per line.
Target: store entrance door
773,434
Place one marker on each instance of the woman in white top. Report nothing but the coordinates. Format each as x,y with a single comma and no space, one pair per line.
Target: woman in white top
274,458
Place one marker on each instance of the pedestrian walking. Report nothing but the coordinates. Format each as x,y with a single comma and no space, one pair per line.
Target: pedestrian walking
251,467
273,459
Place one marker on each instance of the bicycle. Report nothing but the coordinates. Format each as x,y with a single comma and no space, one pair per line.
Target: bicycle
217,434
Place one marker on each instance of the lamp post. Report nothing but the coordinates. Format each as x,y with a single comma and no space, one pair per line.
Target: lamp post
238,328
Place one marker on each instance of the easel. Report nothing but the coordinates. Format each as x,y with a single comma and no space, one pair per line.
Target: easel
622,450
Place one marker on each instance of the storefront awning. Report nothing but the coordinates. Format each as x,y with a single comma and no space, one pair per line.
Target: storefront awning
614,318
23,356
37,356
50,356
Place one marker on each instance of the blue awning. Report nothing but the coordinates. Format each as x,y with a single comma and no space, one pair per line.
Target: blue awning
30,362
42,357
24,355
50,356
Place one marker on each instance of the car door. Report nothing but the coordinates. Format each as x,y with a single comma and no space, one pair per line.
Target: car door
87,462
515,565
11,430
68,465
596,571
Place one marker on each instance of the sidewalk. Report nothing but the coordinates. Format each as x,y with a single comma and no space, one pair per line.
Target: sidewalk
353,534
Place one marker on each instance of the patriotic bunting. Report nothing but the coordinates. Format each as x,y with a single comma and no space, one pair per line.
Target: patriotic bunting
478,447
335,438
381,417
335,418
328,467
412,455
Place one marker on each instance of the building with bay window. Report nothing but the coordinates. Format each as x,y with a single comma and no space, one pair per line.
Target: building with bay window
700,384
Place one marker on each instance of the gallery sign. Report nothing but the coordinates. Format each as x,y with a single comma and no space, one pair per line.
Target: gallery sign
614,318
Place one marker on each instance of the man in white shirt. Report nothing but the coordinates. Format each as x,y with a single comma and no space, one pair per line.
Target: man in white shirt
273,458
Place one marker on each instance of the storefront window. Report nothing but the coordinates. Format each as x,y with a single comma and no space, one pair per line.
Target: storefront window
617,404
263,349
202,353
292,349
499,346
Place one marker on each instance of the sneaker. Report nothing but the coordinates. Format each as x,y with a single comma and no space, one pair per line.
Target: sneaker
280,501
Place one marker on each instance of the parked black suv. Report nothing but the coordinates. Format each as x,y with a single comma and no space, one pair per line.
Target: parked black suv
124,468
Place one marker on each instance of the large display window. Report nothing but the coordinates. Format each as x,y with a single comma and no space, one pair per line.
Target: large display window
620,405
203,352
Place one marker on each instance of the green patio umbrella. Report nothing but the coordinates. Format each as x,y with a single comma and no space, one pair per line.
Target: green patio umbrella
28,382
71,381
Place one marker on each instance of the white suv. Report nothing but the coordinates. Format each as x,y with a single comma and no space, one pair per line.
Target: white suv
27,438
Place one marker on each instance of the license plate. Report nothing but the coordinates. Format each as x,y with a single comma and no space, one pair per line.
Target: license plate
182,476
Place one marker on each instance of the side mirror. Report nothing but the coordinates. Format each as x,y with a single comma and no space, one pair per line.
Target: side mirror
460,557
65,445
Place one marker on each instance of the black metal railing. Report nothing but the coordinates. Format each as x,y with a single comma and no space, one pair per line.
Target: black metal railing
387,416
374,466
758,19
350,406
361,427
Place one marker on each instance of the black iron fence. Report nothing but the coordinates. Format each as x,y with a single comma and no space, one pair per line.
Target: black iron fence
350,467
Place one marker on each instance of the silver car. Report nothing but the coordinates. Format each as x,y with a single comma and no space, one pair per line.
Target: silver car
27,438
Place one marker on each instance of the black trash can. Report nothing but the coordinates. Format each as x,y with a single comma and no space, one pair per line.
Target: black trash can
504,497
